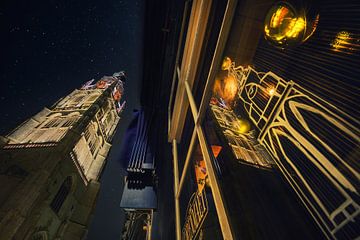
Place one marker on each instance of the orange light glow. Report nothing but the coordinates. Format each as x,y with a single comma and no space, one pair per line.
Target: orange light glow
226,64
216,150
117,95
200,169
345,42
271,91
101,84
314,26
226,88
279,16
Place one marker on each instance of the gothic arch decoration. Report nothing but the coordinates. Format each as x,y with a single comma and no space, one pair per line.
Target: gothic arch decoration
108,105
110,118
62,194
94,126
92,97
92,137
101,141
311,141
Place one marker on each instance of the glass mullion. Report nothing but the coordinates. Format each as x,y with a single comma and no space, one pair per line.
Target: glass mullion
215,186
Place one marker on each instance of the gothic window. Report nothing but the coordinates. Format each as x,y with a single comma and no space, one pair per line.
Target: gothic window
110,119
78,99
66,121
87,134
61,195
101,141
92,147
53,123
70,121
92,98
75,101
107,106
36,135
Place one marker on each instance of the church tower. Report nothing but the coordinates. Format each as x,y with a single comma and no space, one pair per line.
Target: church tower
51,164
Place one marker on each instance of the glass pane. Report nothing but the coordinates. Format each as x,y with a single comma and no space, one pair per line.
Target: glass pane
212,33
248,178
199,216
282,112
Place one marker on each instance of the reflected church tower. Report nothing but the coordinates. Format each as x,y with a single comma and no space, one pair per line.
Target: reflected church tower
51,164
314,144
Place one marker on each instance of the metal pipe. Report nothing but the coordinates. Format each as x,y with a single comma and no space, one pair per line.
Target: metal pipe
187,161
176,186
177,63
215,188
191,101
219,204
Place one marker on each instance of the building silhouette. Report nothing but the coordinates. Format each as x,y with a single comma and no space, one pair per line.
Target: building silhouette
50,166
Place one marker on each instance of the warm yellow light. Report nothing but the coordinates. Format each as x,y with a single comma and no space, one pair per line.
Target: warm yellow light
313,28
226,64
267,31
297,26
279,16
287,26
226,88
271,91
241,126
343,41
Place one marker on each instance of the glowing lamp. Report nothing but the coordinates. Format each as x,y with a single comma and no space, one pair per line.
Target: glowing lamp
287,26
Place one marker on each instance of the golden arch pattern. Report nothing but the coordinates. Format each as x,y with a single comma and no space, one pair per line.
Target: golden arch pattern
313,143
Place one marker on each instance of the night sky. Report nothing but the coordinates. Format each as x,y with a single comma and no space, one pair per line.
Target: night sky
49,48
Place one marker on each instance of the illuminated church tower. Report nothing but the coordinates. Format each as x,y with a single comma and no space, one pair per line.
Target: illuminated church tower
51,164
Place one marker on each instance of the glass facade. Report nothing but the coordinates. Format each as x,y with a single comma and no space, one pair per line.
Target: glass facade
264,105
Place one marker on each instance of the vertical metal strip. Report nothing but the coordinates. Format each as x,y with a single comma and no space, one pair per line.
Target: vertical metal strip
219,204
191,101
176,186
215,188
187,161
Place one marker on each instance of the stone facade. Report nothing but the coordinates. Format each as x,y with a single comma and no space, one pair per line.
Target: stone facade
50,165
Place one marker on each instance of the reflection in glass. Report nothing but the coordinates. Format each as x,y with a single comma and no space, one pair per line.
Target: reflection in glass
345,42
200,218
286,26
